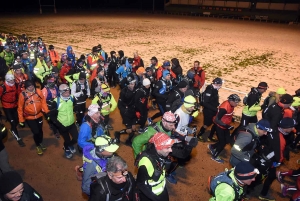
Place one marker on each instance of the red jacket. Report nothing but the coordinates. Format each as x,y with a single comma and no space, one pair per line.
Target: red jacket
9,99
199,78
20,80
227,118
64,70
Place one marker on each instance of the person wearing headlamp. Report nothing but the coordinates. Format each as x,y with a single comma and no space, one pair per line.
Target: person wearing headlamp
247,140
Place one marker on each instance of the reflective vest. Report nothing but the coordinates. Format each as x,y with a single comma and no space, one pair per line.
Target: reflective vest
226,119
93,62
65,111
31,54
157,186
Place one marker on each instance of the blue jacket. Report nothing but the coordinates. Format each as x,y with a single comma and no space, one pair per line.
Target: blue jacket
85,135
71,55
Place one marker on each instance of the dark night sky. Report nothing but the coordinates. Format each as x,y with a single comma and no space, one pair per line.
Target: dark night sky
33,5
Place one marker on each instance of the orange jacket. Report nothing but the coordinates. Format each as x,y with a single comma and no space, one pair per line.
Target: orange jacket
159,73
199,78
10,98
54,57
92,61
227,118
20,80
288,113
31,105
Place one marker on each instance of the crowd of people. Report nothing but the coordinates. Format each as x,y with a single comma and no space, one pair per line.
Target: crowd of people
40,85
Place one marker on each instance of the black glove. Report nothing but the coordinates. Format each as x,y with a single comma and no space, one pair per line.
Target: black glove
84,91
193,142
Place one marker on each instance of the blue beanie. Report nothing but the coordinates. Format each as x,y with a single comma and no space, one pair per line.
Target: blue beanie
264,125
244,171
165,73
287,122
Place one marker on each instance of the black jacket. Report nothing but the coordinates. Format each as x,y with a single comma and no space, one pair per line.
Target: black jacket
174,100
112,191
210,99
141,100
29,194
162,97
253,97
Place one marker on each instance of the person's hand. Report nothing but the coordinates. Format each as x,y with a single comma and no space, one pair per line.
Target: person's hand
195,114
22,124
193,141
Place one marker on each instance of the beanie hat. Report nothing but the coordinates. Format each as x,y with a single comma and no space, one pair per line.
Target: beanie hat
112,53
93,109
262,85
166,64
82,75
9,181
189,101
140,70
28,83
296,102
234,98
264,125
146,82
281,91
9,77
244,171
287,122
165,73
286,99
154,58
105,87
82,57
169,117
182,84
51,47
55,70
217,81
161,141
94,49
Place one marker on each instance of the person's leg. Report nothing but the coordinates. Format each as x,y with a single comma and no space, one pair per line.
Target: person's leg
223,139
207,121
74,133
33,125
212,132
10,114
4,164
40,128
80,113
267,184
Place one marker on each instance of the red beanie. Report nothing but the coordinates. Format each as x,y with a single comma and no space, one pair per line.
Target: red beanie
161,141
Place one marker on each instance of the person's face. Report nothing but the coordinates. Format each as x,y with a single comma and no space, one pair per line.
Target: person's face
169,126
69,63
96,117
30,88
51,50
82,81
168,77
24,56
11,81
107,154
55,74
183,90
18,71
262,132
41,58
153,62
131,86
287,130
66,93
217,86
165,152
196,65
286,105
190,109
64,57
262,90
149,73
147,86
248,181
16,193
233,104
118,177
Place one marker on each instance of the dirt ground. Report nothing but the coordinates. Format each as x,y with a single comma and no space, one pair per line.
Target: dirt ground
241,52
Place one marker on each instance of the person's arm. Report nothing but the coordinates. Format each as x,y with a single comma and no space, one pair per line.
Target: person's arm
142,177
202,79
170,100
140,140
73,91
206,99
31,192
97,192
86,179
88,91
44,103
242,140
224,192
219,116
113,102
94,86
83,136
21,108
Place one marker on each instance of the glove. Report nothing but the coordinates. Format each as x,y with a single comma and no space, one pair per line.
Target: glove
22,124
230,128
275,164
193,142
195,114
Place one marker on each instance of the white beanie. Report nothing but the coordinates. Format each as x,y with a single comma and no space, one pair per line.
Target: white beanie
9,77
146,82
93,109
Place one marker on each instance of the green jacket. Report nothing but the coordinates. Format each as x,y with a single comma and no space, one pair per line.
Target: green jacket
8,57
41,69
225,192
65,112
108,105
142,139
252,111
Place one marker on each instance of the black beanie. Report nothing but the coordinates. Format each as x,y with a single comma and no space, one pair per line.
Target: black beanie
82,75
28,83
244,170
9,181
182,84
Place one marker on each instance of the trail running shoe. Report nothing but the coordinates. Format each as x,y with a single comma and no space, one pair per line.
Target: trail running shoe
283,189
72,149
213,139
217,159
211,149
43,146
279,177
39,150
200,139
266,197
171,179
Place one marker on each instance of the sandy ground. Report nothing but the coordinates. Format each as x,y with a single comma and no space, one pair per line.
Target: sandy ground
241,52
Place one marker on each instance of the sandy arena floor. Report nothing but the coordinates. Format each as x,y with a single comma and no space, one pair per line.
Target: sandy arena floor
243,53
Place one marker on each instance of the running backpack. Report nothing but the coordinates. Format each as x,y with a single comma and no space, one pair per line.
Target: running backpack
223,177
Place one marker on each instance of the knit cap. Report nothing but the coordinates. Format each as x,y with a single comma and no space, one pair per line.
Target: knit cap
146,82
287,122
286,99
281,91
93,109
140,70
244,171
9,77
182,84
28,83
264,125
9,181
262,85
165,73
169,117
161,141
